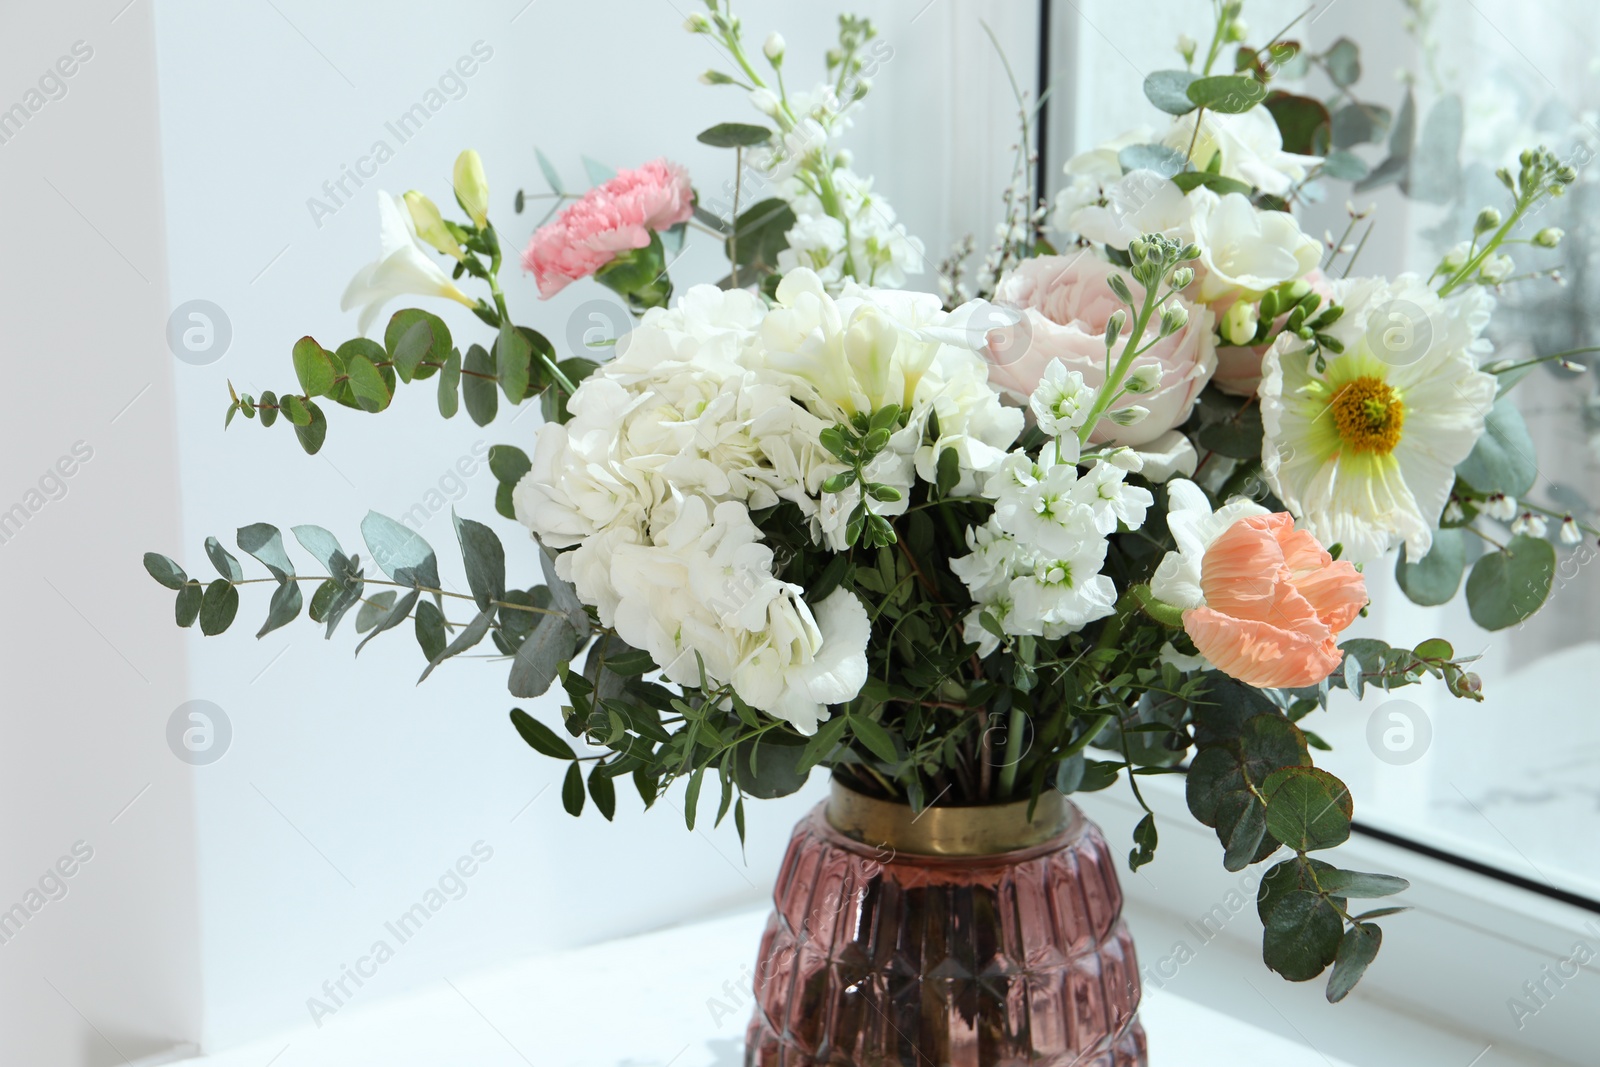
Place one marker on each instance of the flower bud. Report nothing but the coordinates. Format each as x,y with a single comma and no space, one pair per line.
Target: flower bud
1138,249
429,224
1183,277
1566,174
715,77
1570,534
1174,318
1488,219
1186,47
1145,378
1495,270
697,23
1549,237
772,48
1114,326
1456,258
472,188
1131,415
1238,326
765,101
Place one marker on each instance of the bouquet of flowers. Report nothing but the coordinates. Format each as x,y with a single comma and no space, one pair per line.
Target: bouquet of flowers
1103,511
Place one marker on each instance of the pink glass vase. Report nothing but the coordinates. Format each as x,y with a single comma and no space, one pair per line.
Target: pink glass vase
876,955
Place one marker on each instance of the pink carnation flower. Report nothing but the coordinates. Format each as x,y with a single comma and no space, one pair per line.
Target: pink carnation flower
611,218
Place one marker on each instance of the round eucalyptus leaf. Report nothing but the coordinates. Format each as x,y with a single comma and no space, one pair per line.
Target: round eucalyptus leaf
1434,579
1504,459
1507,587
1169,90
1227,94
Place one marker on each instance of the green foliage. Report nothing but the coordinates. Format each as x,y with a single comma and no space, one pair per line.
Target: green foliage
1508,586
734,135
1169,90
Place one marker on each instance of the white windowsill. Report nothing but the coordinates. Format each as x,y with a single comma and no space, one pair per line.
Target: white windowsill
666,998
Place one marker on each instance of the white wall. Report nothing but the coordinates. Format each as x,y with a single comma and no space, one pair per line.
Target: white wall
348,790
92,667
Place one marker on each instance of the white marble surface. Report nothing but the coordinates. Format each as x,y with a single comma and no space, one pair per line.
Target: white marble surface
677,998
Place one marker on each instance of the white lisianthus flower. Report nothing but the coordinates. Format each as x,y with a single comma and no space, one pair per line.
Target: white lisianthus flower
1245,251
1251,147
1364,452
403,267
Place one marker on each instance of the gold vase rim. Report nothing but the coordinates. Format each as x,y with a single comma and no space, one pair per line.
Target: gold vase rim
943,830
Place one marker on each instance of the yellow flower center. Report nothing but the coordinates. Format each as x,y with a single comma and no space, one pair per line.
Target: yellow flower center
1368,415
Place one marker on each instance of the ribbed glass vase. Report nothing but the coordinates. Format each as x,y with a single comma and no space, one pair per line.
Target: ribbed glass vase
973,937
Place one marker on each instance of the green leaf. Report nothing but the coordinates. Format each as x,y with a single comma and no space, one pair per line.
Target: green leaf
1435,175
470,635
1227,94
540,737
572,790
1360,884
1345,166
603,790
770,766
1504,459
373,609
411,350
538,662
450,386
1435,648
1507,587
823,742
312,367
314,432
763,232
1343,60
1302,935
551,176
874,737
1191,179
296,410
484,557
734,135
323,546
1307,808
366,384
265,543
187,608
1434,579
1303,122
478,389
1249,830
1357,949
563,595
283,609
396,615
223,560
407,348
1156,157
1144,840
1169,90
218,607
512,352
597,172
430,629
1360,123
164,570
400,552
269,408
691,796
508,464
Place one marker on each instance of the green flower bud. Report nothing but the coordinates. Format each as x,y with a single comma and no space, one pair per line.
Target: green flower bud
471,187
1488,219
1549,237
430,225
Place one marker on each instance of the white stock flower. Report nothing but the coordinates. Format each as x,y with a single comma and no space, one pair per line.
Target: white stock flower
1245,251
1061,402
403,267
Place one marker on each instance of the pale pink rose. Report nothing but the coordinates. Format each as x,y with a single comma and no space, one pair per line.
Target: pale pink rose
1239,366
1065,301
611,218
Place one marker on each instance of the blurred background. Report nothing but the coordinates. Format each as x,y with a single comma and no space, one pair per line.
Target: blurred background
189,186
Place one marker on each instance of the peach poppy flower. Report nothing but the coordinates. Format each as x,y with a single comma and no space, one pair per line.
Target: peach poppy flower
1262,601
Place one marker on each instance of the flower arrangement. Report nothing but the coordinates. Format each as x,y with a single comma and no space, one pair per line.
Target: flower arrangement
1106,511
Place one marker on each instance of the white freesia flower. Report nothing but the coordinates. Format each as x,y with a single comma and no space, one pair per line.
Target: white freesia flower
1245,251
1090,174
1251,147
1364,452
403,267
